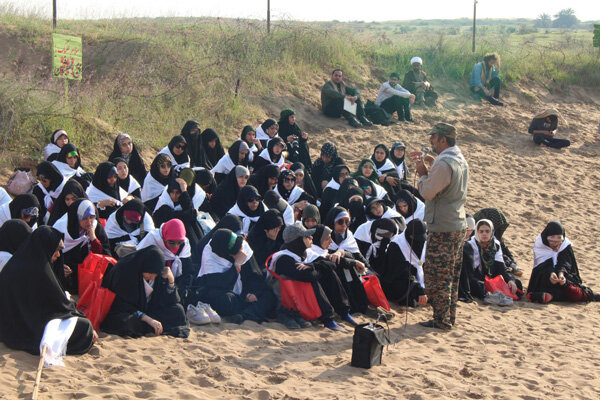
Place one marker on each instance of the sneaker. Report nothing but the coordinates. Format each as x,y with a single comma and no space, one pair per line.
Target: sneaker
539,297
197,316
212,314
493,298
302,323
331,324
348,318
236,319
516,270
385,314
284,318
505,300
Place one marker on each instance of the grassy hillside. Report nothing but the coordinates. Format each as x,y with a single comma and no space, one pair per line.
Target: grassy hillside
148,76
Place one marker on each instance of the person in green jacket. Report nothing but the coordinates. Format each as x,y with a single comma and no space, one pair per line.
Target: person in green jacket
333,94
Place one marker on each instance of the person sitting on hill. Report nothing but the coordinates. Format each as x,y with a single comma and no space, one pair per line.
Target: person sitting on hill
484,259
156,180
402,276
210,149
409,206
49,187
31,298
485,78
267,131
248,207
304,181
295,138
58,139
104,191
248,135
333,94
237,154
125,149
233,282
24,206
416,82
226,194
177,152
71,192
311,216
339,174
272,154
191,133
125,180
13,233
68,163
543,128
146,297
265,178
273,201
555,275
344,245
324,165
171,239
393,98
127,226
290,263
83,234
182,199
264,238
500,225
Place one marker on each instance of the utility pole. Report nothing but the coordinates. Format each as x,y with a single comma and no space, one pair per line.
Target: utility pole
268,16
474,18
53,14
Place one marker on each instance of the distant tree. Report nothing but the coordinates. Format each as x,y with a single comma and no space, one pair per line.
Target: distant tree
543,21
565,19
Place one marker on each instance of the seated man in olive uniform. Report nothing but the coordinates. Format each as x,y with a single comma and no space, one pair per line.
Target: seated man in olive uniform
333,94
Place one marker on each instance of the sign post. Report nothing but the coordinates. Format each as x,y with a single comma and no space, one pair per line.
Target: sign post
67,59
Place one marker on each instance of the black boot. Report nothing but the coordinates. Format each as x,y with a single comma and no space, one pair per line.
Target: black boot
363,120
494,101
407,114
351,120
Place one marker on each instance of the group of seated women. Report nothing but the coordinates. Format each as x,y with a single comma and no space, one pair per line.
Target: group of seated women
207,234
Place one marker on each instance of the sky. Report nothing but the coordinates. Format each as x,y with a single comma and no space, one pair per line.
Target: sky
311,10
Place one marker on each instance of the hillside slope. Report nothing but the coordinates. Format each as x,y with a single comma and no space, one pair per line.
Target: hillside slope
526,351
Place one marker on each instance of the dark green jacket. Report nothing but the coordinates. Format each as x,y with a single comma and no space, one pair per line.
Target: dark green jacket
330,92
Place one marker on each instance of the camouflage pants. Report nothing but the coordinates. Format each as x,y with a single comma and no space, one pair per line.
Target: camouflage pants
443,261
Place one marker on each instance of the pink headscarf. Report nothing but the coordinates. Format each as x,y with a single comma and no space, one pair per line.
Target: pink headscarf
173,230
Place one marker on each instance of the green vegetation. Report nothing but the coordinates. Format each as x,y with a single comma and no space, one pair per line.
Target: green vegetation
148,76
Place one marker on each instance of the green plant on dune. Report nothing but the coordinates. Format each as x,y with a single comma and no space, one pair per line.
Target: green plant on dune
148,76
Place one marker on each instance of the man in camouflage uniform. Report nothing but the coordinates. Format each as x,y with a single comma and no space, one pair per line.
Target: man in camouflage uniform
444,187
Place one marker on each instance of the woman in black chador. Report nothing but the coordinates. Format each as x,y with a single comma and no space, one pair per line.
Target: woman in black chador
146,297
27,305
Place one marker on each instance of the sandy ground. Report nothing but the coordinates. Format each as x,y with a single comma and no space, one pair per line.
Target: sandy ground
526,351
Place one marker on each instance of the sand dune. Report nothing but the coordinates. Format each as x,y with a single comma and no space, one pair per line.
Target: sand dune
526,351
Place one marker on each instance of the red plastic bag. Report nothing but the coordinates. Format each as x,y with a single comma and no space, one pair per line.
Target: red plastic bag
95,303
375,292
498,284
296,295
92,270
